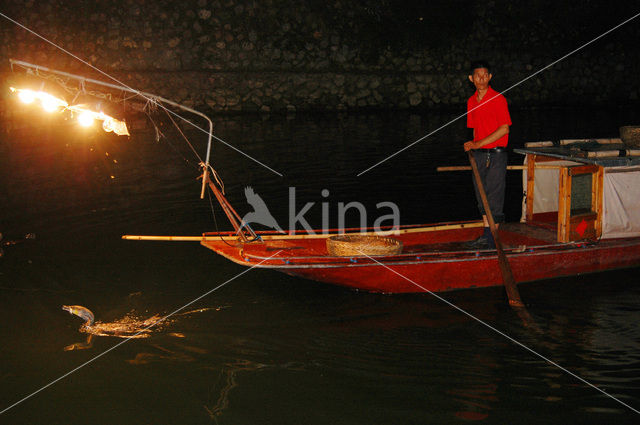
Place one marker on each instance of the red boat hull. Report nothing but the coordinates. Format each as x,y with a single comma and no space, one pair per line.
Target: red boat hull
440,276
435,259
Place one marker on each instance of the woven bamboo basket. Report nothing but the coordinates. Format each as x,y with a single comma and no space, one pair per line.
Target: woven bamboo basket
350,245
630,135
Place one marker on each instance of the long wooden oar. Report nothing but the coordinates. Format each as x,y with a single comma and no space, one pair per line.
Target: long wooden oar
507,275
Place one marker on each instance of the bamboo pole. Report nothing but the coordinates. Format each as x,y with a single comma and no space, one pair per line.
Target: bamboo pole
267,237
166,238
538,144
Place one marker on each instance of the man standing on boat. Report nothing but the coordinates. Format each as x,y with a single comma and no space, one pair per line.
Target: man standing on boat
488,116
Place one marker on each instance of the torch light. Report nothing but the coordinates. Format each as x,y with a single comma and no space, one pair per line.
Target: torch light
26,96
48,102
86,117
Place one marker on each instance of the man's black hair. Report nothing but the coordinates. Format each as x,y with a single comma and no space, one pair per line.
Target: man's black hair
480,64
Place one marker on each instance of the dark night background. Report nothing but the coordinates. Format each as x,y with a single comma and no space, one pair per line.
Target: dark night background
276,55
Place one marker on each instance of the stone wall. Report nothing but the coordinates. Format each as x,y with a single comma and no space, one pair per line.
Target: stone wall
282,55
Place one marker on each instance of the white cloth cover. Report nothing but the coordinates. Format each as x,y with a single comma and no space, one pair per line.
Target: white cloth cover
621,193
546,188
621,215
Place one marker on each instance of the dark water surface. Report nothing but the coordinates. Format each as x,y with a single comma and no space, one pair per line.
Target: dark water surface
267,348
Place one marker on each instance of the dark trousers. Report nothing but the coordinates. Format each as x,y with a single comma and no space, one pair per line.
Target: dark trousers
492,167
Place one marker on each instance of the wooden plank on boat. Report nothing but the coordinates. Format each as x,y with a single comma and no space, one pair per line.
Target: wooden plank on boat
544,158
564,206
582,169
530,231
597,188
509,167
531,163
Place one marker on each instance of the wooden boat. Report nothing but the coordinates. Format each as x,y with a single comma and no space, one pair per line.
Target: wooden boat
435,258
571,225
581,214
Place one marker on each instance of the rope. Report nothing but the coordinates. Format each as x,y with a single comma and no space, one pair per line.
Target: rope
184,137
218,179
215,222
175,149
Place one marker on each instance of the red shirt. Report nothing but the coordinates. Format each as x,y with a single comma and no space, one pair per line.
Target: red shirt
487,115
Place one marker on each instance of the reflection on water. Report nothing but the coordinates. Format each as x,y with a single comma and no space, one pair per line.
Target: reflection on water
269,348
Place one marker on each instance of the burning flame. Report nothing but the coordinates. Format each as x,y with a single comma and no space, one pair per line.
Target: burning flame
49,103
86,117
